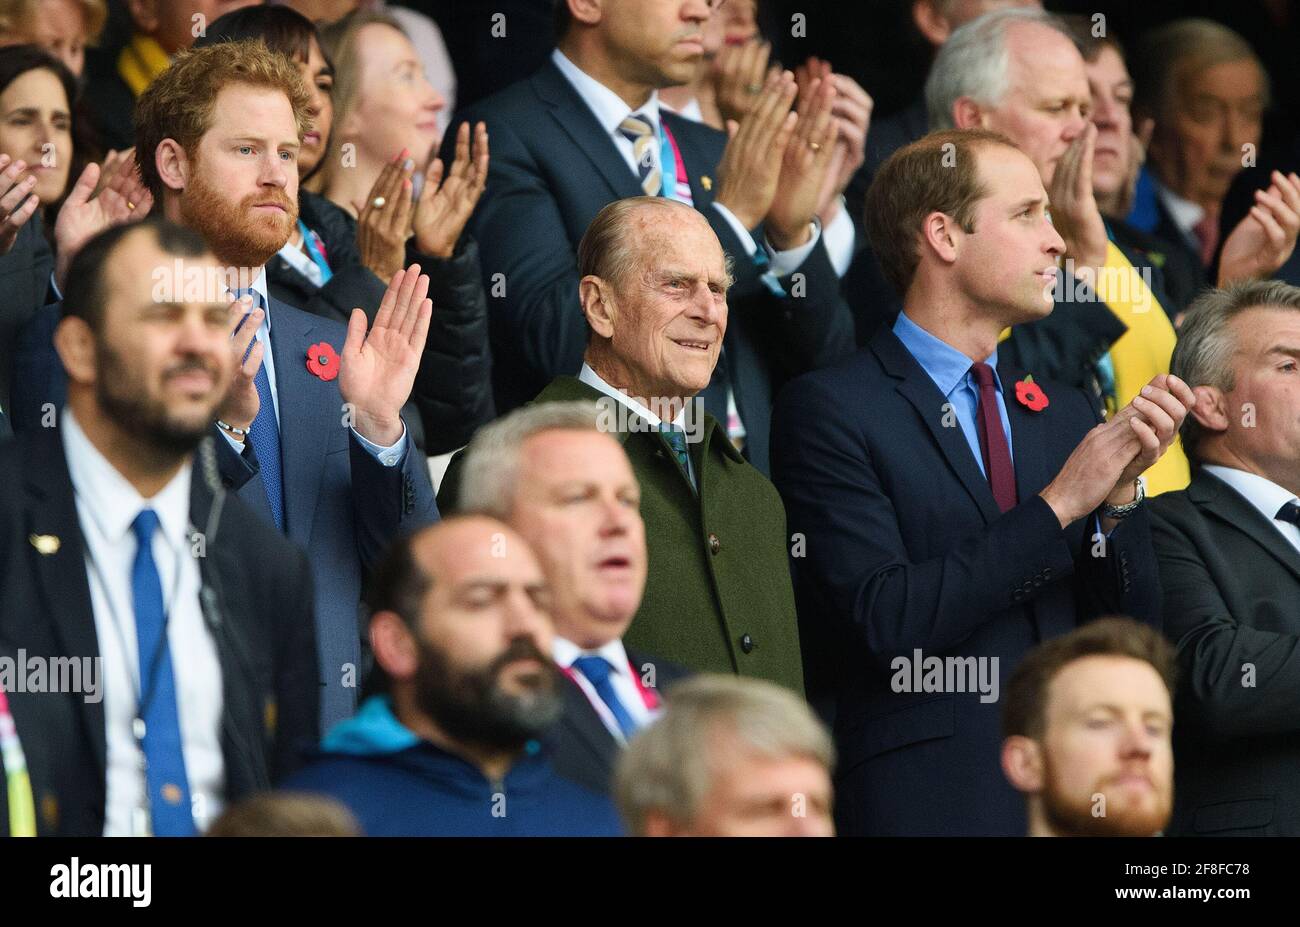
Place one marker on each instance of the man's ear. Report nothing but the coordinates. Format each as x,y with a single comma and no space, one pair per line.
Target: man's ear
596,296
967,114
173,164
930,22
1211,409
941,232
393,645
587,12
75,343
144,13
1022,764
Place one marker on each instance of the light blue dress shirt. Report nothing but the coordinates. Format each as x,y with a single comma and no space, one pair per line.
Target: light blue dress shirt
951,372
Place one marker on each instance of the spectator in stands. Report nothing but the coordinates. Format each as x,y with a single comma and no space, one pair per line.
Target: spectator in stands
729,758
1229,555
285,814
566,486
115,78
1018,72
36,98
1088,721
461,628
62,27
587,129
332,263
655,291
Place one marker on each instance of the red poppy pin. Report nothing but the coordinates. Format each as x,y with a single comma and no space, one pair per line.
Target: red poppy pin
323,361
1030,395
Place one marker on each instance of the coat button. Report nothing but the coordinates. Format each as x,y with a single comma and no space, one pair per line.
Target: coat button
714,544
746,643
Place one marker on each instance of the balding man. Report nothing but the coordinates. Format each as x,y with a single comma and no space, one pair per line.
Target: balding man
654,291
462,630
552,474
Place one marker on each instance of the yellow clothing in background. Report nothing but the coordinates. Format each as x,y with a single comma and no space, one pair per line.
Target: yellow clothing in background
140,62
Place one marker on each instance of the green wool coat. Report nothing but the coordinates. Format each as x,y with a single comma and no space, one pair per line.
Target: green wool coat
718,597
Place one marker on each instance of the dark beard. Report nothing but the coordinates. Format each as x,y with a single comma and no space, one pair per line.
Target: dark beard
147,420
236,237
1074,818
470,706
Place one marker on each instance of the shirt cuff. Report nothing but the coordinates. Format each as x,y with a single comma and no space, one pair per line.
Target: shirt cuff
840,237
746,239
388,456
784,263
236,446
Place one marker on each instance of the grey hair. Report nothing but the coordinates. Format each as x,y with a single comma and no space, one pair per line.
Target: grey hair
1166,54
491,465
974,62
670,766
1203,353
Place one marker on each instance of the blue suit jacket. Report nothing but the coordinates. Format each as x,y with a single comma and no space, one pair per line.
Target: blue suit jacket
342,506
553,168
905,549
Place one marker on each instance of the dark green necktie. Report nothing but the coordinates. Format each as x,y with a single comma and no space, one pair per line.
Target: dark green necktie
676,439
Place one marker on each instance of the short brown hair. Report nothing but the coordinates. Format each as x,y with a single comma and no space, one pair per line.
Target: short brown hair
178,104
1083,31
286,814
938,173
1024,713
15,15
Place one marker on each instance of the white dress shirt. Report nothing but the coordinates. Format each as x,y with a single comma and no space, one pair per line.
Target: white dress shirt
595,381
388,456
1263,494
566,652
610,111
107,505
1185,214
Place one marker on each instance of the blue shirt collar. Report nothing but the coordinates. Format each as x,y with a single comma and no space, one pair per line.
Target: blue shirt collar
946,366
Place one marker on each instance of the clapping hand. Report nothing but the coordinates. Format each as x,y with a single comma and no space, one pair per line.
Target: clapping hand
17,202
1264,240
447,203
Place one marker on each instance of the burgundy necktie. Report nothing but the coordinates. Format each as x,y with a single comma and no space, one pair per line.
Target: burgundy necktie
993,440
1207,236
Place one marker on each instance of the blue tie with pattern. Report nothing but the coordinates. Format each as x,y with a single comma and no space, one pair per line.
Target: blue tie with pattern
597,670
168,786
265,433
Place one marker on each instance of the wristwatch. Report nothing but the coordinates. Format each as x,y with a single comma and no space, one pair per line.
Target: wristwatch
1120,512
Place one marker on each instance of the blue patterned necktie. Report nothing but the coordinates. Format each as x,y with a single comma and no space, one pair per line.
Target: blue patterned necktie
676,439
168,786
265,433
640,131
597,671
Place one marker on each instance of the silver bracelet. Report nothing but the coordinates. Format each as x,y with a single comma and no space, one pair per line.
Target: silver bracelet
240,433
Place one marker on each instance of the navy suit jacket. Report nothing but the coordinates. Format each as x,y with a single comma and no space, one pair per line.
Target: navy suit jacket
341,505
553,169
905,549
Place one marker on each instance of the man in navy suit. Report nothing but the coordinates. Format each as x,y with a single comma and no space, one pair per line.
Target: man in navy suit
587,129
946,520
311,436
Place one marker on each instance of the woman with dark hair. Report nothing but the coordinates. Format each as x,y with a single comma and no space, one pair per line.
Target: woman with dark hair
332,263
36,97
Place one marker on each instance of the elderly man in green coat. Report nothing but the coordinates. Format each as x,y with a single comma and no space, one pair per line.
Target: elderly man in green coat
654,292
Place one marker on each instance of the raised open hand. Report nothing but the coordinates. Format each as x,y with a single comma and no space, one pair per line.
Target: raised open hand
446,203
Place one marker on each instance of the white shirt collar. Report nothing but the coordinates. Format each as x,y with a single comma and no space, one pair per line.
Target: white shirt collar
565,652
1259,491
1185,213
109,498
690,111
593,379
608,106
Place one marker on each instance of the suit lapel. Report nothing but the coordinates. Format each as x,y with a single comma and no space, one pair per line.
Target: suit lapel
575,118
586,725
51,512
1229,506
1030,433
918,389
309,408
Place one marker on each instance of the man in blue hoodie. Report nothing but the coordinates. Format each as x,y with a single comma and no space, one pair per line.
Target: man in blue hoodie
462,631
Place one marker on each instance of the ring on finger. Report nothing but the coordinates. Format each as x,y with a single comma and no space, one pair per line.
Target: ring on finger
753,89
378,202
815,146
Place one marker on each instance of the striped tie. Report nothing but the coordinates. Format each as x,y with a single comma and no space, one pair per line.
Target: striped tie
641,133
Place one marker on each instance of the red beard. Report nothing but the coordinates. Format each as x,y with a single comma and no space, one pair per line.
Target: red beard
238,235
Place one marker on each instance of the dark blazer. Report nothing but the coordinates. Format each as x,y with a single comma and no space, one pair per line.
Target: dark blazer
903,549
718,597
341,505
453,390
553,168
262,625
108,100
24,284
1177,274
583,749
1231,584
